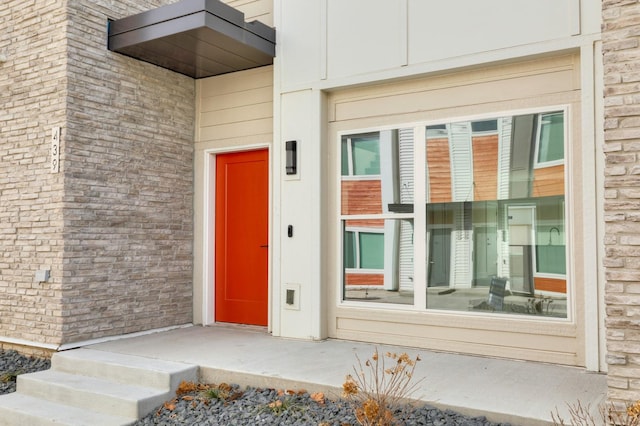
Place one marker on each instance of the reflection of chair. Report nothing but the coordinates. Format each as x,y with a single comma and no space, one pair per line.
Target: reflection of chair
497,291
495,299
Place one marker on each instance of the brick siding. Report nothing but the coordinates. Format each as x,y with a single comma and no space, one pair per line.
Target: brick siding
621,41
32,101
116,224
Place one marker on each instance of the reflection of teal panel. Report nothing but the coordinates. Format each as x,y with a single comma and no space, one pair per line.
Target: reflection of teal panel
366,156
345,159
551,138
349,250
551,259
371,250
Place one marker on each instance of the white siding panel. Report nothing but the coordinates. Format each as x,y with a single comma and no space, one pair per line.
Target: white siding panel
299,49
364,38
447,29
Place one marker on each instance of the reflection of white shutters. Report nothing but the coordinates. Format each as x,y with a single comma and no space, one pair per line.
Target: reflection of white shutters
461,161
405,148
504,154
406,255
461,190
461,249
405,142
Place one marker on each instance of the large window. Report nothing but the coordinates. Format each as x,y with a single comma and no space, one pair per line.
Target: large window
490,197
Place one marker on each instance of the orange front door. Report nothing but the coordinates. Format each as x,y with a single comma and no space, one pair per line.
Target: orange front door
242,218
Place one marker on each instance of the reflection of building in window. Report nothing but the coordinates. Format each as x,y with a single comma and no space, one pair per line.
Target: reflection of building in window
518,162
494,193
361,155
364,257
362,195
377,172
550,141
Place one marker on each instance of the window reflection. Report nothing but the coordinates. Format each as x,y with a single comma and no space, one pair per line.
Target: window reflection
378,261
495,215
495,221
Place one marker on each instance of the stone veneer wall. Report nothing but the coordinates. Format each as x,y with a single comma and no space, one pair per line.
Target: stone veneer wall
33,88
128,202
621,50
116,224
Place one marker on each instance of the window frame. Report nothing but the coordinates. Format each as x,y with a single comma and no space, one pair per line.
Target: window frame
420,236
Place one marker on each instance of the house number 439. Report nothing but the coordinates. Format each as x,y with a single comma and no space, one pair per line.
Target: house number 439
55,150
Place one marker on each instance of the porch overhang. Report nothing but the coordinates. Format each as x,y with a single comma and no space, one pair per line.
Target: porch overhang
198,38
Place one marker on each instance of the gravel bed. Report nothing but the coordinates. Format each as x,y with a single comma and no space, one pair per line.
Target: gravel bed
260,407
249,406
12,364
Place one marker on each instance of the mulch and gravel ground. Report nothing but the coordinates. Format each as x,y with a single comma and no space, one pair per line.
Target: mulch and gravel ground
222,405
12,364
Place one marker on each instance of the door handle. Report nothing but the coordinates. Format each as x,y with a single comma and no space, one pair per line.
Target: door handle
264,246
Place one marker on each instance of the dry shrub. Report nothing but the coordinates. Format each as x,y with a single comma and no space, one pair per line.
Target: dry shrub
376,391
580,416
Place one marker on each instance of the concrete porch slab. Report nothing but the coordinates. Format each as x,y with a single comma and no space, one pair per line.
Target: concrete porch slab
522,393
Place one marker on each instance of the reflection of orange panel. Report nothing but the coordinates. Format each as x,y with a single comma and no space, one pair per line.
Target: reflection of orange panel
550,284
485,167
366,223
548,181
439,164
364,279
361,197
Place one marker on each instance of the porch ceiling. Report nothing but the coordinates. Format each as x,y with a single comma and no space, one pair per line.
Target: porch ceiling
198,38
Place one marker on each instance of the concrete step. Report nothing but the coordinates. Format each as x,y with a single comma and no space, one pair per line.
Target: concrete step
91,387
91,393
126,369
19,409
